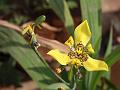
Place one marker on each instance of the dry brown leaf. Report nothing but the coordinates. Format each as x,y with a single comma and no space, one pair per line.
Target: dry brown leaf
51,28
48,43
52,44
46,26
9,25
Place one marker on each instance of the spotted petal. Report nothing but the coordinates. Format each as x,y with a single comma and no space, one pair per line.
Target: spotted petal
62,58
70,42
95,65
90,48
82,33
26,29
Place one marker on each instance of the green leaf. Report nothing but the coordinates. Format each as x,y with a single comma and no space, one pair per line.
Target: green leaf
108,85
9,75
111,59
108,51
72,4
60,7
70,74
109,46
91,10
13,43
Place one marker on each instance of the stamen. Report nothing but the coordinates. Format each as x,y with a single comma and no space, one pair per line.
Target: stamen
79,52
72,54
78,74
83,57
72,48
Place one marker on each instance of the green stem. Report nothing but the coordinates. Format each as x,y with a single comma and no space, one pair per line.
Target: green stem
35,49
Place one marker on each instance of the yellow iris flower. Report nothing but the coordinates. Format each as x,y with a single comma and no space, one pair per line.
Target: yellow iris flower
79,50
29,29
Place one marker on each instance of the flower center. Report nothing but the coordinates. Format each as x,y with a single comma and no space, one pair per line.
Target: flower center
80,52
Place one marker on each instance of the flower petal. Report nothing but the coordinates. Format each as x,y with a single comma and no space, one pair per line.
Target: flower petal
76,62
62,58
26,29
90,48
95,65
82,33
70,42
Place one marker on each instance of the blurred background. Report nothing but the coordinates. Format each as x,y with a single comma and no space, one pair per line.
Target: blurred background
19,12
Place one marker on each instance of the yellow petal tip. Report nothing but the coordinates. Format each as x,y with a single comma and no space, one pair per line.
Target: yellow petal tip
82,33
69,42
95,65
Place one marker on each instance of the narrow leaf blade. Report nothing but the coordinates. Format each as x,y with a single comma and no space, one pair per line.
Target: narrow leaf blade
60,7
109,46
17,47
